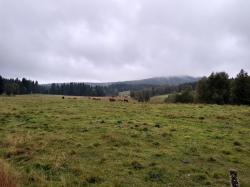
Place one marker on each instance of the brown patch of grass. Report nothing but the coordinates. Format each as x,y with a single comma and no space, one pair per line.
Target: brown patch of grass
17,140
19,146
222,117
92,179
116,139
6,179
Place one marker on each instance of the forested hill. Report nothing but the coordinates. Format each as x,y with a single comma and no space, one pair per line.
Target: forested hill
172,81
154,81
24,86
113,88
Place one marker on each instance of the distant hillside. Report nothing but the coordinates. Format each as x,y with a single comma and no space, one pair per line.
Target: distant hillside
174,80
113,88
155,81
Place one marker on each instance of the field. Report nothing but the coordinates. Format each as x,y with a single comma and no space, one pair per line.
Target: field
50,141
158,99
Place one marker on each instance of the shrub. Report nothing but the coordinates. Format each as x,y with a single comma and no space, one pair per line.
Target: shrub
156,175
186,96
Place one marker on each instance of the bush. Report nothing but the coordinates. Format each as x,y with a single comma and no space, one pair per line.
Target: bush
141,96
186,96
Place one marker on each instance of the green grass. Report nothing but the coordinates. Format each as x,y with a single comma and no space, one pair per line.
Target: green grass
49,141
125,93
159,99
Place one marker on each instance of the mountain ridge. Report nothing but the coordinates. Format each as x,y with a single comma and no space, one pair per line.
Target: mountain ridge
153,81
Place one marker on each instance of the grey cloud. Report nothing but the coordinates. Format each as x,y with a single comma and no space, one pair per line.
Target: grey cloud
92,40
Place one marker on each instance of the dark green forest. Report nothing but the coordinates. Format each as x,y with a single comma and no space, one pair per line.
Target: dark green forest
24,86
16,86
218,88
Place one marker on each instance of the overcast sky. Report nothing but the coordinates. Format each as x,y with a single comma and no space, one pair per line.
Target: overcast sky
111,40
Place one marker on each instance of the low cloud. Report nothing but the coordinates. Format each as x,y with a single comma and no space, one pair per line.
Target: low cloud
111,40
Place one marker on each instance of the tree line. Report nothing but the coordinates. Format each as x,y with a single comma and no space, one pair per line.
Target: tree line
145,94
25,86
16,86
76,89
217,88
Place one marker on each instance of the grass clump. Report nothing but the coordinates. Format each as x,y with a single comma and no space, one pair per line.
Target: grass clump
137,165
237,143
156,175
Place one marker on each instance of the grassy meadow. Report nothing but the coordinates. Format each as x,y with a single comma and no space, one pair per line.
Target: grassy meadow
159,99
50,141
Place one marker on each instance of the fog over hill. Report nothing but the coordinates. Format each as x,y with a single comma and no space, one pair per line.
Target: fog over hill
154,81
172,80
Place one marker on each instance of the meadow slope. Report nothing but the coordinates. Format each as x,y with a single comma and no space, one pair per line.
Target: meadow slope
50,141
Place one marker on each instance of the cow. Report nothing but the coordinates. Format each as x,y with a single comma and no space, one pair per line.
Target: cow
112,99
125,100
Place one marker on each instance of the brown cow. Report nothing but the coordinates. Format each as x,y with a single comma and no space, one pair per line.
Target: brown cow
112,99
125,100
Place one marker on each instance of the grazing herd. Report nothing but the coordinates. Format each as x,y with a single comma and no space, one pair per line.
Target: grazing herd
111,99
114,99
